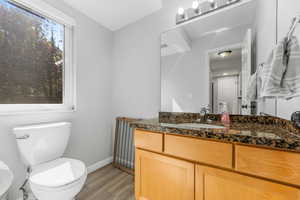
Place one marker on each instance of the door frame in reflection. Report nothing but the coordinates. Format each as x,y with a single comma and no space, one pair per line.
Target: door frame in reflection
211,86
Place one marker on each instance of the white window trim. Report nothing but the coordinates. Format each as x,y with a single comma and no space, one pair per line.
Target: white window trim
69,96
47,10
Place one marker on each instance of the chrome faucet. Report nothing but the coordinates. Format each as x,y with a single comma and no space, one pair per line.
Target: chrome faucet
265,114
204,114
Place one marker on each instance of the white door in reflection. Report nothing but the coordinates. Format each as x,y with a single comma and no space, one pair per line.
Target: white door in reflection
226,94
225,65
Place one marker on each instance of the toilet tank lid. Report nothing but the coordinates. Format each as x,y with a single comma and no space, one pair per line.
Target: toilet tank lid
41,126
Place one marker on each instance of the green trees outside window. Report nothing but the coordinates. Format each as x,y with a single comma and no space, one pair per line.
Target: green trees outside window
31,57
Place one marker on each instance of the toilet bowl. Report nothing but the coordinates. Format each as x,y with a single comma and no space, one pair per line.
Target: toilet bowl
61,179
51,175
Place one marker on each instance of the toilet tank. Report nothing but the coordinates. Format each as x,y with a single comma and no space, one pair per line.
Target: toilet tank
43,142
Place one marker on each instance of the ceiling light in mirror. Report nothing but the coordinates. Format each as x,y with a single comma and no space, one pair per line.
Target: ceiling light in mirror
222,30
224,54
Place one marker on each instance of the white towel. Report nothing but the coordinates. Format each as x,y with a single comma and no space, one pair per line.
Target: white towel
252,88
255,84
281,74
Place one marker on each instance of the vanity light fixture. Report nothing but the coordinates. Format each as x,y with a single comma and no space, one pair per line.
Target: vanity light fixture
224,54
196,6
200,8
181,15
213,4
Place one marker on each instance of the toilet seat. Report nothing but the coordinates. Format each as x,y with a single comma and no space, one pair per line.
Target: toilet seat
60,173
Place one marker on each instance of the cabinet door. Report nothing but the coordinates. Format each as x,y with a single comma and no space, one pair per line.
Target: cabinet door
216,184
277,165
148,140
159,177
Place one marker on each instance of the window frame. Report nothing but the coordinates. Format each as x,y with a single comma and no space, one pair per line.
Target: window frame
69,70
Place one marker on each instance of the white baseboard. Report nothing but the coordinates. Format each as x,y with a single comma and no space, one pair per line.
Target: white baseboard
99,164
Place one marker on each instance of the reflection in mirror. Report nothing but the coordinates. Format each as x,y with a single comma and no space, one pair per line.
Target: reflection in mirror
208,62
225,80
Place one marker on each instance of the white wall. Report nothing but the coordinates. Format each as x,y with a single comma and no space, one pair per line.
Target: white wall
185,76
185,79
91,132
287,9
136,84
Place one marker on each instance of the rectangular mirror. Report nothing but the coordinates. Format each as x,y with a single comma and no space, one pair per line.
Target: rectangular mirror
207,62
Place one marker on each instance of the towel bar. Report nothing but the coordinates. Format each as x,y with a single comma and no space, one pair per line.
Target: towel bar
295,22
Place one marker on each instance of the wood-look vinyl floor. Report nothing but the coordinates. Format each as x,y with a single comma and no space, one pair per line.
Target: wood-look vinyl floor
108,183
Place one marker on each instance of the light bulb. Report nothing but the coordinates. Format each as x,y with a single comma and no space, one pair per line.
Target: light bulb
195,5
211,1
180,11
224,54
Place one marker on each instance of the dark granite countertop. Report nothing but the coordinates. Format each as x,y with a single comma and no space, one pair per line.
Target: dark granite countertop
251,133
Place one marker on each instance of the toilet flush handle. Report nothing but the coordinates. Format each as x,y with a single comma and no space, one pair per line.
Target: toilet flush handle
24,137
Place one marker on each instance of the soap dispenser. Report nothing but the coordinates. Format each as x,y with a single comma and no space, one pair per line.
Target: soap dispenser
225,119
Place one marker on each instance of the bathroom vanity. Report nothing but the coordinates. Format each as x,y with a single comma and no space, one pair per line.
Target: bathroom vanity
256,158
187,154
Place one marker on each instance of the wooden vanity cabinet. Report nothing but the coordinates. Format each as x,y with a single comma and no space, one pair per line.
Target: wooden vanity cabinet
171,167
217,184
148,140
203,151
276,165
159,177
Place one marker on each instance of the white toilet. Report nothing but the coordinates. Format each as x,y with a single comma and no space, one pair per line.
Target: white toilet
52,177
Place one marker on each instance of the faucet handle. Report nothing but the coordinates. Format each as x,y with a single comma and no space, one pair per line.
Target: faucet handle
296,119
205,108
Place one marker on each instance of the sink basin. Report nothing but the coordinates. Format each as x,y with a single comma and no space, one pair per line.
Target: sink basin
6,178
192,126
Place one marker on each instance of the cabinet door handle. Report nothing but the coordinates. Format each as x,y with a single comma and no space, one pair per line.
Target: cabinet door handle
24,137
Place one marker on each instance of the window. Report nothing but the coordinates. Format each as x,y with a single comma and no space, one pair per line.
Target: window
36,58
